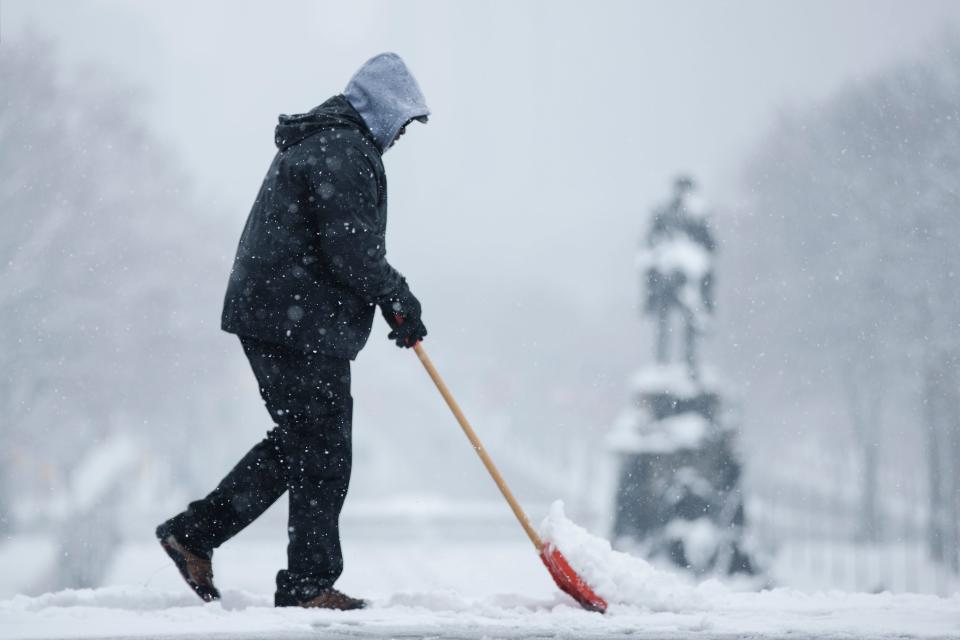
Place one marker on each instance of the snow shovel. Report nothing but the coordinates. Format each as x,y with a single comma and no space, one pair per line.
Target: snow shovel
563,574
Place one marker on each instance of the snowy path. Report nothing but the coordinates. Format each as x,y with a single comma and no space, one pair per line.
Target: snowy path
436,589
116,612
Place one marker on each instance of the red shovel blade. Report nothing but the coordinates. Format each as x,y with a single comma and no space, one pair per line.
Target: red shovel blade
568,580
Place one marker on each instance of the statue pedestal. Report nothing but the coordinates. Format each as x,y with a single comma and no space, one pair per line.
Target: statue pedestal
678,493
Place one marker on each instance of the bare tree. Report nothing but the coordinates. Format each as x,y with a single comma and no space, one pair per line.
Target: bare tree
851,282
110,282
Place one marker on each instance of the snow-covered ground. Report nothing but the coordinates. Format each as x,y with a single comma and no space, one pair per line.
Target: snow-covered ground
118,612
438,585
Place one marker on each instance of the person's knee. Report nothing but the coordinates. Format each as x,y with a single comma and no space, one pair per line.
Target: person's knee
318,448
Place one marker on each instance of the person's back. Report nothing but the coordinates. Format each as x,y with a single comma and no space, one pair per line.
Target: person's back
295,279
310,269
311,264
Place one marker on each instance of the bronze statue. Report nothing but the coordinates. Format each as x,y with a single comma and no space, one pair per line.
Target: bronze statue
677,263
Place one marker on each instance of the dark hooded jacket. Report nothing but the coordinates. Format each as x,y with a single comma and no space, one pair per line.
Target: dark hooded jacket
311,265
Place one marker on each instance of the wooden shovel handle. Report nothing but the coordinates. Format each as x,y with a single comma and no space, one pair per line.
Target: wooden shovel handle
478,446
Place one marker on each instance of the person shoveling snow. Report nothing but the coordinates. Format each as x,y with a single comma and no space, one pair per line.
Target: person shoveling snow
310,268
309,272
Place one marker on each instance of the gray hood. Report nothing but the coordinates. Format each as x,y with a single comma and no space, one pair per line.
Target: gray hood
387,96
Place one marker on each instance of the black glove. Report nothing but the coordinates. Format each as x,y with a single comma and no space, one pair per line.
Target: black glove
402,313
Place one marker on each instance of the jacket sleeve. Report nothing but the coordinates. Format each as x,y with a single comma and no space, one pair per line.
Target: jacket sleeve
351,232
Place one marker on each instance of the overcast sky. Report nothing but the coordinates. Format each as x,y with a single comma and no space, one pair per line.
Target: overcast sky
685,84
547,114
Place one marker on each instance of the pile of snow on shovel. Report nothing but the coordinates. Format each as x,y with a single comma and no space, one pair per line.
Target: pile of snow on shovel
619,577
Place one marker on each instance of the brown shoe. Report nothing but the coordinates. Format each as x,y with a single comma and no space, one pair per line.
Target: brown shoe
333,599
196,570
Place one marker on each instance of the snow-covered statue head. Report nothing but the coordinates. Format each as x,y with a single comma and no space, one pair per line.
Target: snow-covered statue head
683,184
676,262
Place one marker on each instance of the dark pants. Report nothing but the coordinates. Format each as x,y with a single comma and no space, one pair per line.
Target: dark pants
307,453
